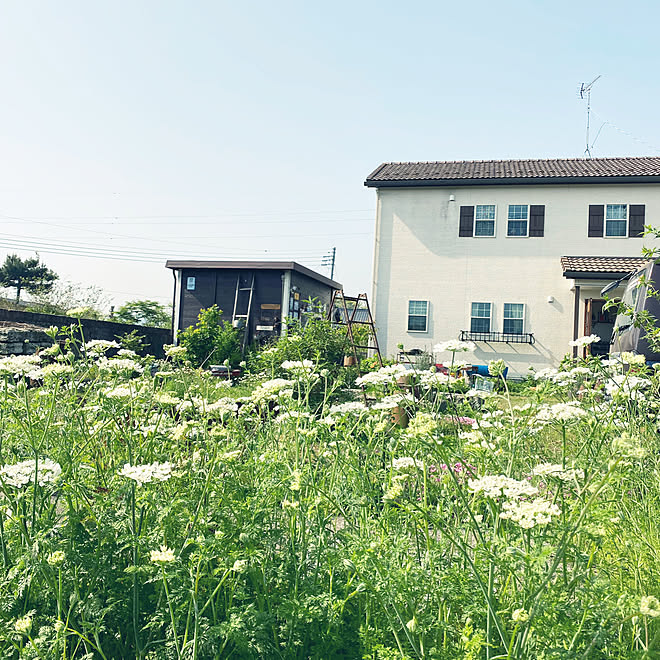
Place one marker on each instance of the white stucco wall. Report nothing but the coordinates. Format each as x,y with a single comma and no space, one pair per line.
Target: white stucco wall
419,256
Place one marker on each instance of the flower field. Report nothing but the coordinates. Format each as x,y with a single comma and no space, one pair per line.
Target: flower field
153,511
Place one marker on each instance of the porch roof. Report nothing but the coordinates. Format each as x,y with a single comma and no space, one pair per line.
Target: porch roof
601,268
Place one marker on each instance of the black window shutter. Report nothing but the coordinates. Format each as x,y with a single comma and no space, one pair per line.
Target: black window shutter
596,220
466,223
536,220
636,213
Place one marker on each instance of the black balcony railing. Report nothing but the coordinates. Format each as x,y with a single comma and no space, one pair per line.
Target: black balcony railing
504,337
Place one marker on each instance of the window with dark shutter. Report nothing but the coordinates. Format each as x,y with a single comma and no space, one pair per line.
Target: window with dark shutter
536,220
466,222
596,220
636,214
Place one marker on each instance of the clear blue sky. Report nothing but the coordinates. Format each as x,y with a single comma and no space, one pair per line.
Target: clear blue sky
227,130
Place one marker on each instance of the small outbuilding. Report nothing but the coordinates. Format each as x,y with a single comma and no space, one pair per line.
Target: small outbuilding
256,295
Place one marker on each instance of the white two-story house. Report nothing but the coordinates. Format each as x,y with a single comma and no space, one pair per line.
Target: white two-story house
509,254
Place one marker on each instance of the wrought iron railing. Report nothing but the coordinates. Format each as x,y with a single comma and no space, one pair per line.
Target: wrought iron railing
504,337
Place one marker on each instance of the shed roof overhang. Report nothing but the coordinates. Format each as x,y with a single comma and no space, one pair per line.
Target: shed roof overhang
175,264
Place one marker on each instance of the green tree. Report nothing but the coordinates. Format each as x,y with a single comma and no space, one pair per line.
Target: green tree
26,274
144,312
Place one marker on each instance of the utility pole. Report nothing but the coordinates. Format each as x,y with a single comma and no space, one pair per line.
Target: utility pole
329,260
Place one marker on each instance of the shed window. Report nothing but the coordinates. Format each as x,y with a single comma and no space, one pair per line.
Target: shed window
480,317
514,318
190,284
418,315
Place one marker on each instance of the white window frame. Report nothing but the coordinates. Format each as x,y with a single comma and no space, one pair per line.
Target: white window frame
490,317
426,316
526,234
511,318
494,221
627,219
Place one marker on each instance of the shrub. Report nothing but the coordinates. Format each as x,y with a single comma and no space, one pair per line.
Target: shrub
211,340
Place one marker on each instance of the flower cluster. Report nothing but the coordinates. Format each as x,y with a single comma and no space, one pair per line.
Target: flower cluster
530,514
143,474
495,486
163,556
558,472
383,376
584,341
455,346
22,474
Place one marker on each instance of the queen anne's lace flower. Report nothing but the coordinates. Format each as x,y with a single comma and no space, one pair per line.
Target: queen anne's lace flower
163,556
455,346
18,365
382,376
560,412
356,407
100,346
116,365
584,341
143,474
500,485
557,471
530,514
405,464
22,474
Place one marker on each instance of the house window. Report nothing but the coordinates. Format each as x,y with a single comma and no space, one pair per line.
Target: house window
418,315
616,220
484,220
514,318
480,317
190,284
517,220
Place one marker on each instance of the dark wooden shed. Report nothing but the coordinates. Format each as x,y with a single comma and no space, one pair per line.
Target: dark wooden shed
257,295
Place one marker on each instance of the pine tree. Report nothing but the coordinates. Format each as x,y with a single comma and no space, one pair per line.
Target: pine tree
26,275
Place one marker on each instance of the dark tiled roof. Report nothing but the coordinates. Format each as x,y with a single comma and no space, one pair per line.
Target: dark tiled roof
602,264
509,171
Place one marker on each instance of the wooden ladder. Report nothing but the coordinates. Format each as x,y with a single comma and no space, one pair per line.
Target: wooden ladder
350,311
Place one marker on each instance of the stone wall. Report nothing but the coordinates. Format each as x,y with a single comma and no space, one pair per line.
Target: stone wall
20,329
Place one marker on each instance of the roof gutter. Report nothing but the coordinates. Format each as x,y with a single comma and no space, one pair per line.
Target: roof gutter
509,181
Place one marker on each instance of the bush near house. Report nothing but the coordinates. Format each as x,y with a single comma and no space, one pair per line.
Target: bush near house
211,340
165,516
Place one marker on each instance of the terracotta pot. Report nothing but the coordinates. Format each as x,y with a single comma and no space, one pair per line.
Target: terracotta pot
399,417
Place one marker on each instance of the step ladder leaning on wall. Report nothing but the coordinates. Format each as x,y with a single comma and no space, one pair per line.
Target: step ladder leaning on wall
240,302
353,312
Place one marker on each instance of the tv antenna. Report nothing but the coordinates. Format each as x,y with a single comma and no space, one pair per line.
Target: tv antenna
585,90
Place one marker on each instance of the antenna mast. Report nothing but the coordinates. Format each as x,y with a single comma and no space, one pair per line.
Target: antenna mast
585,89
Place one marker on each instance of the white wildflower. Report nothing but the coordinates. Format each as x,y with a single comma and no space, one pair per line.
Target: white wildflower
584,341
100,346
405,464
531,513
356,407
557,471
382,376
143,474
455,346
22,474
500,485
163,556
560,412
